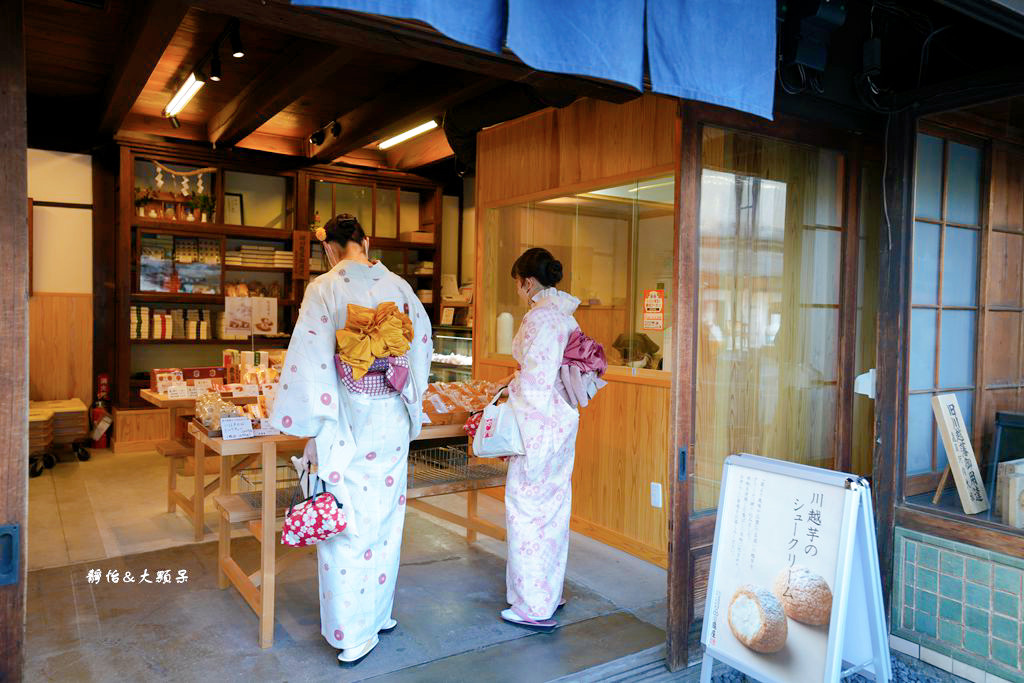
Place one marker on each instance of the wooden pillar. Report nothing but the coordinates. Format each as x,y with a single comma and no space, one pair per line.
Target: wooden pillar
893,327
684,364
13,326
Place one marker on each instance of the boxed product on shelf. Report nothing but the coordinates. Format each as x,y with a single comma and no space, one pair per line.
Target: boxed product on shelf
163,325
139,322
426,296
215,375
452,402
160,379
209,251
186,250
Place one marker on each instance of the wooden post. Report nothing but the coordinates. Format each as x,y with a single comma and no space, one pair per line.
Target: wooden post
223,525
199,491
13,326
268,546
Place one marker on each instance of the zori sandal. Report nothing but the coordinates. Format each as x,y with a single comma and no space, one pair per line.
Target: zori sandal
353,655
544,625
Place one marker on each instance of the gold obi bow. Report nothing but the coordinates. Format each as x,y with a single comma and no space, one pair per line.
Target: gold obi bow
370,334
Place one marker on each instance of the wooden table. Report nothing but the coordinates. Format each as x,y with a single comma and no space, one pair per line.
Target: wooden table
192,506
258,587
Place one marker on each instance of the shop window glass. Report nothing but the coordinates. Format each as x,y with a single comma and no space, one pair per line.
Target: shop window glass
356,200
386,221
926,264
615,244
960,267
771,229
256,200
964,184
944,301
928,185
922,340
323,203
409,211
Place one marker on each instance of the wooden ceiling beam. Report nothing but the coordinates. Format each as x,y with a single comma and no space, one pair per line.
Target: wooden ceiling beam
298,69
150,30
406,39
420,151
424,93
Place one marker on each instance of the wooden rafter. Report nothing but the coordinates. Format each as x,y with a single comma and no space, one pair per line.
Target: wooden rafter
407,39
149,32
423,94
302,66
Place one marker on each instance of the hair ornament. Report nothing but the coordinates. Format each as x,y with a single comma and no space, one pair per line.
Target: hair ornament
320,234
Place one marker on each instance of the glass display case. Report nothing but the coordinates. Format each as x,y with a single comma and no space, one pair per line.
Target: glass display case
615,244
175,264
453,354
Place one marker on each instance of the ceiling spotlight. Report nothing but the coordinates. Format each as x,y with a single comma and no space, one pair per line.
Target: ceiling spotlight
411,133
215,67
335,129
317,138
175,123
236,44
185,93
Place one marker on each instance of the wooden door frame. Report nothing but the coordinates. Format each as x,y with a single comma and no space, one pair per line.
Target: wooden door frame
14,330
684,529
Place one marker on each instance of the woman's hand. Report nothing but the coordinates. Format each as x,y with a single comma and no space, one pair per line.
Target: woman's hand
309,453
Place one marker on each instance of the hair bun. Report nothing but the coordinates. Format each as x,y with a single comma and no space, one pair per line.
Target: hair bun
553,272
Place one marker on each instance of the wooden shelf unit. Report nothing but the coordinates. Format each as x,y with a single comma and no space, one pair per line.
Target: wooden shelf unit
112,319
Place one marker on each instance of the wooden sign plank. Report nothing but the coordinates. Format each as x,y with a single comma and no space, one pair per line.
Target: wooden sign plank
962,463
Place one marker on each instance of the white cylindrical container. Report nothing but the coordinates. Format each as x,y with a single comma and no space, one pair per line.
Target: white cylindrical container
505,333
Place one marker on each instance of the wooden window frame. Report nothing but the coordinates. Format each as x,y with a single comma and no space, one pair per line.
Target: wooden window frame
916,484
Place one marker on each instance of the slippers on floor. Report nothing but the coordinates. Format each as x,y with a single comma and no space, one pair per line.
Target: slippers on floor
353,655
545,625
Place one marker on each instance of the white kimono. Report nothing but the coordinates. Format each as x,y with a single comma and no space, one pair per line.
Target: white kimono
538,490
362,445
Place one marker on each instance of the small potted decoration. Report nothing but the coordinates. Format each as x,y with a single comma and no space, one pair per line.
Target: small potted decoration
205,204
143,195
191,209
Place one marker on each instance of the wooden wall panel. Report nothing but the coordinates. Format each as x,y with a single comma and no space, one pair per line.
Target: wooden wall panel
603,140
517,158
619,452
584,143
60,347
139,430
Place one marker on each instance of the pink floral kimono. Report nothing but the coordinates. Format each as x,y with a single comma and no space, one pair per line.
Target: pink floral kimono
538,491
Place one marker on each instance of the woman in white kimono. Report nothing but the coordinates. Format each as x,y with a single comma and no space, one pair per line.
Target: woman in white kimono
538,490
361,416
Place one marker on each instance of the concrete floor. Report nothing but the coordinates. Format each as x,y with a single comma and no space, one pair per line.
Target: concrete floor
109,514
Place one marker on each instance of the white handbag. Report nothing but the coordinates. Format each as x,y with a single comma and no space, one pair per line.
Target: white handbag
498,434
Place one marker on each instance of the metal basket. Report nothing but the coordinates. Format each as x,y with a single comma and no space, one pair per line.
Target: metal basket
451,466
251,478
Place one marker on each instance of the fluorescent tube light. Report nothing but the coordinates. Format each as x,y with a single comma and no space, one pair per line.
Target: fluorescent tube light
185,93
402,137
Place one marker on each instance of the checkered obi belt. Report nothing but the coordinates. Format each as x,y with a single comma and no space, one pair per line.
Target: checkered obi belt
385,377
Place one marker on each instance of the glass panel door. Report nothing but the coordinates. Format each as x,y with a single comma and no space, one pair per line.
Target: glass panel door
771,230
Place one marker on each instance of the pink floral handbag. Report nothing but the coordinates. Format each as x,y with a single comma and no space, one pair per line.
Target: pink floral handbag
315,519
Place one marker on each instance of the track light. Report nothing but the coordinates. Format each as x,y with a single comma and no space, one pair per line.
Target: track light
411,133
317,138
236,44
185,93
335,129
215,67
175,123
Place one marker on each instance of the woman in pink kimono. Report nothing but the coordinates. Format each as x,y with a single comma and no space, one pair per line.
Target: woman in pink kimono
538,491
362,407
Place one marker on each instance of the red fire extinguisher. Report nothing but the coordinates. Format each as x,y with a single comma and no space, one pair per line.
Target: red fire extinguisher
99,412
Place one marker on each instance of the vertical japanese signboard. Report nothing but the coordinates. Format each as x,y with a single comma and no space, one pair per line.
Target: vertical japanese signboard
792,544
956,438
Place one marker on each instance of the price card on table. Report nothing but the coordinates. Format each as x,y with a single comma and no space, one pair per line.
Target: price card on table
177,392
203,385
235,428
247,390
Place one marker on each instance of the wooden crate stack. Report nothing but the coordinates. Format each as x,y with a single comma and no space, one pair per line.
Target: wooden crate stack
40,430
70,419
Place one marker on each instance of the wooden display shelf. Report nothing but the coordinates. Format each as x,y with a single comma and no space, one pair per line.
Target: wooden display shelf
258,269
177,298
169,298
259,341
214,229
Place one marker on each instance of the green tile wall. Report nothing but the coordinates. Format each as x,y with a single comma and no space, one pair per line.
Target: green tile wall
961,601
